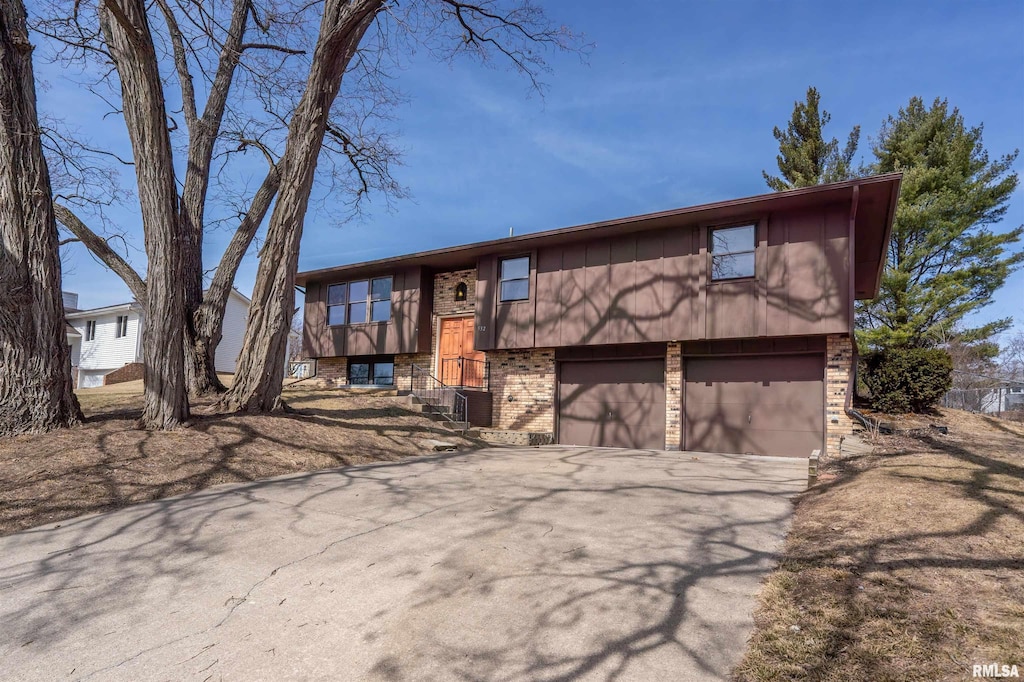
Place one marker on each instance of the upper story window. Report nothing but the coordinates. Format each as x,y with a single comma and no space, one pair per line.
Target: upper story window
732,252
365,300
122,326
514,284
90,330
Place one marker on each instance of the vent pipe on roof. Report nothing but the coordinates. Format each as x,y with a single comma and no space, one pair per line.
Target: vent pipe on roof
510,231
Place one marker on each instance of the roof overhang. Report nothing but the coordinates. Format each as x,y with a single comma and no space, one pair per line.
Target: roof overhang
92,312
876,208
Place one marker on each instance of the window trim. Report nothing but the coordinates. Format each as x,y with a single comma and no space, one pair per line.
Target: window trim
90,330
370,362
122,327
527,279
711,229
368,302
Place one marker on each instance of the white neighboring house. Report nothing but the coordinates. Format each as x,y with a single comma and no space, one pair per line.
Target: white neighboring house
106,339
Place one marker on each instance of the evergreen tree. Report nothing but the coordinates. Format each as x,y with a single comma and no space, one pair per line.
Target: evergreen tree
805,159
943,262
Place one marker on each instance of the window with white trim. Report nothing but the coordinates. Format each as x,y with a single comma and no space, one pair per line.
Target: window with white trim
514,279
122,327
90,330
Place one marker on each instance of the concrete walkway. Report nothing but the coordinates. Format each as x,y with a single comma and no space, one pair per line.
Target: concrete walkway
507,564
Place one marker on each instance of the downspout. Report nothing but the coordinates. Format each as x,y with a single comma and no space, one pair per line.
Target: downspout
851,385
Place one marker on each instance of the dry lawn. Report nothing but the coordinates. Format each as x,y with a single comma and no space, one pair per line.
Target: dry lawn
107,463
907,564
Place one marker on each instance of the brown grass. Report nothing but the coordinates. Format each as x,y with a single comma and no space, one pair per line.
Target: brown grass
907,564
107,463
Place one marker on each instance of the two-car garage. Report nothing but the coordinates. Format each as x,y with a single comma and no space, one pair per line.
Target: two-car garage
760,404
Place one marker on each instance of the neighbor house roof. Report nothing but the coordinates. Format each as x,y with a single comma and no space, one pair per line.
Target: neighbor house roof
132,305
873,210
92,312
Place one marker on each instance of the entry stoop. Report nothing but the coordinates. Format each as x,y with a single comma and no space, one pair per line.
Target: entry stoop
441,416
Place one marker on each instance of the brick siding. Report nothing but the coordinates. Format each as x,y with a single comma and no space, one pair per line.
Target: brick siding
673,397
403,368
445,305
839,359
332,372
131,372
528,377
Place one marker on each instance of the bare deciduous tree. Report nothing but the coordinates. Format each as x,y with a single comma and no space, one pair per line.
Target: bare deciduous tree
35,371
125,27
448,26
205,58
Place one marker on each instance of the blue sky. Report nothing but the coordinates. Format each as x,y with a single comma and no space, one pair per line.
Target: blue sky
674,106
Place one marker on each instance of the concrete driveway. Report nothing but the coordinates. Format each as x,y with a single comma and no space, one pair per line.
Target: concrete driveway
507,564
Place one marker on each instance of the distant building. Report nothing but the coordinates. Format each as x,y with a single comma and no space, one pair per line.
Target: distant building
106,343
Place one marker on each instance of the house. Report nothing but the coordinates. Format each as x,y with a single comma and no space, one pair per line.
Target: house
1008,397
725,327
106,343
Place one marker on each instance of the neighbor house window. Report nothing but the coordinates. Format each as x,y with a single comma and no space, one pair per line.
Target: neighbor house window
122,326
732,252
371,373
514,283
366,300
90,330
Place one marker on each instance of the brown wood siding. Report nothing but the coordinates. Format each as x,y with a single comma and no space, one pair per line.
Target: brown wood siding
404,333
486,281
653,286
313,319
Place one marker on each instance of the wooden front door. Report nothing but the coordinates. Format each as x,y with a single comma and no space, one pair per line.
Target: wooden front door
455,344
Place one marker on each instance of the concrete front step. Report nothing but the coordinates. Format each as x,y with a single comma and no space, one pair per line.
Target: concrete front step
525,438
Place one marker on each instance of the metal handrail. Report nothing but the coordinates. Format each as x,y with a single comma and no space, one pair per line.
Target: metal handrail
465,372
442,399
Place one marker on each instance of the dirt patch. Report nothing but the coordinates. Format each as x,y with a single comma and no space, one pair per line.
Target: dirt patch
907,564
107,463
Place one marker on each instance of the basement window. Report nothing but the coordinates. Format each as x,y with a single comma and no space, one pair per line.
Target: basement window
732,252
371,373
514,283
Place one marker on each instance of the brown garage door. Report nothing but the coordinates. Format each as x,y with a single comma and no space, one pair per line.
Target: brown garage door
766,405
612,403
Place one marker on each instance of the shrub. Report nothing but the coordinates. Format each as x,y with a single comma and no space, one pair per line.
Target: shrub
907,380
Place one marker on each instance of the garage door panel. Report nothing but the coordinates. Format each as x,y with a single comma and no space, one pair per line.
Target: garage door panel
764,405
613,403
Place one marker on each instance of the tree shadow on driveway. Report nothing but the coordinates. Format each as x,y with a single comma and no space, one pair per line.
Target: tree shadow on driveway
507,564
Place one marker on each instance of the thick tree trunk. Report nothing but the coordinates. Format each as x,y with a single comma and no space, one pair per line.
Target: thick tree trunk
35,371
209,318
202,332
259,374
130,42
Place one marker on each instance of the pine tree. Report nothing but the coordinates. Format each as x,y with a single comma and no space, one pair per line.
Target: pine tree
805,159
944,262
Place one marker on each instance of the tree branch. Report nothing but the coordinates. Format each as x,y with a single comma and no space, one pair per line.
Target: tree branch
188,93
101,249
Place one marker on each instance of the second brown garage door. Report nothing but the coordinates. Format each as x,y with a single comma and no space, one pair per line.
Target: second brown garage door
765,405
612,403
